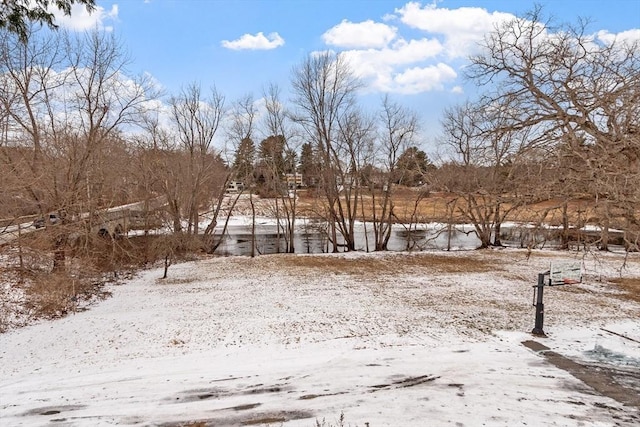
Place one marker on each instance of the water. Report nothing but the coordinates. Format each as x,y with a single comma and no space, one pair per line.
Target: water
604,355
313,239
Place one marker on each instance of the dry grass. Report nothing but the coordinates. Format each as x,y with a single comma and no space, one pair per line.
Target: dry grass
630,286
57,294
441,207
37,291
33,290
51,296
433,207
30,295
389,265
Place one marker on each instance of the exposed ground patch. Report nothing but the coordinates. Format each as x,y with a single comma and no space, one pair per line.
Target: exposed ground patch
390,265
603,379
630,286
259,419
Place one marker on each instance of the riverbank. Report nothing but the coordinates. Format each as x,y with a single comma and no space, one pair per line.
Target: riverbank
387,339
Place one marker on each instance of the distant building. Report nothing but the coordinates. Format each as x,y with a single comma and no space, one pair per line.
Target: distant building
234,187
294,180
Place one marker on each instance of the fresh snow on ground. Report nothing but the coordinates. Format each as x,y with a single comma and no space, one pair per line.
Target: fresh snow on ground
294,339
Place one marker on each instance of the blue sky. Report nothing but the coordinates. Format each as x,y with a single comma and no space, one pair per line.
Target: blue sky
412,50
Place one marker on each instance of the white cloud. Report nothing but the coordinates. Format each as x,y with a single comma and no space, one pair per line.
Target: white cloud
367,34
629,36
385,71
424,79
462,28
255,42
401,53
380,68
457,90
388,62
379,65
81,20
413,50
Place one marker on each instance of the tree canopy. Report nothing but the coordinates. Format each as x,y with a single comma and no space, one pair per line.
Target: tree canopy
15,15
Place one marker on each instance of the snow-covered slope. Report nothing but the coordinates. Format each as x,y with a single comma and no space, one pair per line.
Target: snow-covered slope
387,339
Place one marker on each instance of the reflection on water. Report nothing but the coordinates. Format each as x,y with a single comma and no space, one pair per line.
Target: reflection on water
313,239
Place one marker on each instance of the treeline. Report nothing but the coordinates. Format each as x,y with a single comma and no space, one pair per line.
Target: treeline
556,120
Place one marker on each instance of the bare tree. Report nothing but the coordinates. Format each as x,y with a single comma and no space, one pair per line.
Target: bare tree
66,98
100,102
324,89
28,76
575,89
196,120
241,131
352,152
487,154
399,128
276,123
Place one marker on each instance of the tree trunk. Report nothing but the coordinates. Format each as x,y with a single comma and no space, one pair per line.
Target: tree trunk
278,234
253,226
334,234
484,234
497,225
167,263
564,235
59,252
496,236
604,234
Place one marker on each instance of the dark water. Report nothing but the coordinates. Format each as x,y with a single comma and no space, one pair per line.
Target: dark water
314,239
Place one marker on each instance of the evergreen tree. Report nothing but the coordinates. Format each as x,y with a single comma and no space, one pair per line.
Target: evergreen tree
290,161
271,154
243,164
15,15
308,165
413,165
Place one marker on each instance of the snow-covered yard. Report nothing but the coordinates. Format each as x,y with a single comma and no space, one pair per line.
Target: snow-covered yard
421,339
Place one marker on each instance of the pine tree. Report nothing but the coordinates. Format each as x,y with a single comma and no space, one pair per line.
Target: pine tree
15,15
308,165
413,165
243,164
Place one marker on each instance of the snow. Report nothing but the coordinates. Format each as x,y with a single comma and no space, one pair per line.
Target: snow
294,339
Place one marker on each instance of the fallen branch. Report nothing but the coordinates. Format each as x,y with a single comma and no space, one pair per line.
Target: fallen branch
620,335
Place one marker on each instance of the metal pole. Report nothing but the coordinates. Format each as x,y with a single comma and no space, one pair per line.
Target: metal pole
537,330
